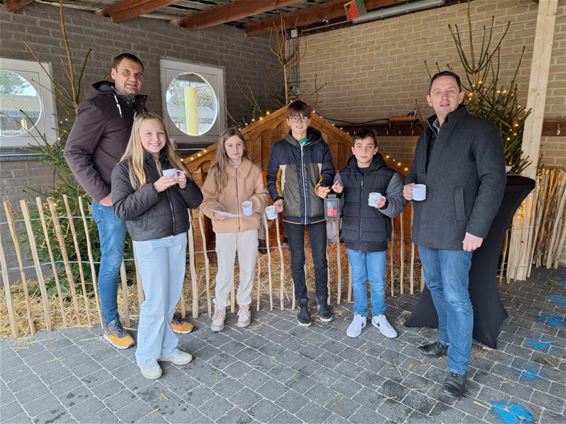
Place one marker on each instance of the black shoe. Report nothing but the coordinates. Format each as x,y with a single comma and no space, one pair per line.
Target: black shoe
303,316
324,312
435,349
455,384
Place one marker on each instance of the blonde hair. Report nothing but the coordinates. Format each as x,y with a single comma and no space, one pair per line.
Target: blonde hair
218,167
135,152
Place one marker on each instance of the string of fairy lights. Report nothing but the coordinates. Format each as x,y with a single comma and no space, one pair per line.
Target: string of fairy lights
202,152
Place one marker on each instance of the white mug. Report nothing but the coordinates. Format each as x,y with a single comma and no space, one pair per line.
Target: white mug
172,172
247,208
373,199
419,192
271,212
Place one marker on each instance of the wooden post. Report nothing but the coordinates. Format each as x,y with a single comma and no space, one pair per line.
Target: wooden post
391,253
61,240
12,227
269,278
232,295
258,279
125,302
78,252
7,292
192,266
39,204
281,263
37,263
401,254
206,263
91,261
522,233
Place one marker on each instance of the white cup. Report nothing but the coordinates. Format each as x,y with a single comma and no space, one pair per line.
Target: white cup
373,198
271,212
247,208
419,192
170,173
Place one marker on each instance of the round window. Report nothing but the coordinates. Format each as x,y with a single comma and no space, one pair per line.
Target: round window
20,106
192,104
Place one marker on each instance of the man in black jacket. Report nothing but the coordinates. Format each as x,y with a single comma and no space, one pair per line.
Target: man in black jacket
459,158
299,176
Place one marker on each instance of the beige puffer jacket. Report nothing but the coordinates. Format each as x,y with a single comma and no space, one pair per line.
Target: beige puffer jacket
244,183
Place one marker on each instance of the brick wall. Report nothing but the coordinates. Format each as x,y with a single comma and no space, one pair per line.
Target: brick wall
247,61
375,70
248,65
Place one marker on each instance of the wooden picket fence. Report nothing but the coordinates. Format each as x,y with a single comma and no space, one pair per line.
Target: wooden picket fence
42,292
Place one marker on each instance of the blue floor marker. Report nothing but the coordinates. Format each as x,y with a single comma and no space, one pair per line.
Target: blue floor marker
542,344
511,413
552,320
557,299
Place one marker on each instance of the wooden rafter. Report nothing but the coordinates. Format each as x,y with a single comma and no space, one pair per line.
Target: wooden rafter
129,9
228,12
311,15
15,5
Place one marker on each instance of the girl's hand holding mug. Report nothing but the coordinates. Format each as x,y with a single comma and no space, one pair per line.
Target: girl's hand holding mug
163,183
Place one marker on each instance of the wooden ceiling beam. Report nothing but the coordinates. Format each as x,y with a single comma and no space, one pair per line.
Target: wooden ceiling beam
15,5
229,12
310,15
125,10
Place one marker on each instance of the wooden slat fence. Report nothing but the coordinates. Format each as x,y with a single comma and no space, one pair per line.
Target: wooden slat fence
49,260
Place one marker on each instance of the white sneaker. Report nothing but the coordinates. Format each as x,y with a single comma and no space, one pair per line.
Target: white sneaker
244,316
356,326
218,319
381,323
179,357
151,371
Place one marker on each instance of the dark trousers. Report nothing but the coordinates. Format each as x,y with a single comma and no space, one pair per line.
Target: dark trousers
296,238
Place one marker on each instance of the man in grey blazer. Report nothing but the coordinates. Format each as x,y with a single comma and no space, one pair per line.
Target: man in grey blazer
459,158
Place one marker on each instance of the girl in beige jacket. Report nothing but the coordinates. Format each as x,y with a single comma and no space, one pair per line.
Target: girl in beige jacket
233,182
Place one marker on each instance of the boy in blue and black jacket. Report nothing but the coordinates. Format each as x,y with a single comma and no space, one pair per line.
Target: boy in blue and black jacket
366,227
299,177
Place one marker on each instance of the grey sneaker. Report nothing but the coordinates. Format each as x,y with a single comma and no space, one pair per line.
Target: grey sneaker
218,319
356,326
151,371
178,357
381,323
244,316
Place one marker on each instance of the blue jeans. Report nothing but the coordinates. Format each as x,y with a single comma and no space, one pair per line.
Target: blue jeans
112,236
296,239
161,264
368,265
446,276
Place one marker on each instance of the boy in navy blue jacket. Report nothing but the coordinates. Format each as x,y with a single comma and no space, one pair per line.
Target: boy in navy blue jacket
372,193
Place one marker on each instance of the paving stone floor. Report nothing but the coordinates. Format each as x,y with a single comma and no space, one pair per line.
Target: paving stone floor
277,372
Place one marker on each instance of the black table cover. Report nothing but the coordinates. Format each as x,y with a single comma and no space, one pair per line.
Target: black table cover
489,312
